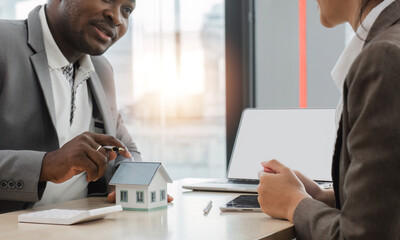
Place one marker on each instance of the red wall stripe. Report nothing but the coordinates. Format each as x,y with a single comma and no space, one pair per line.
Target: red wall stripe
302,53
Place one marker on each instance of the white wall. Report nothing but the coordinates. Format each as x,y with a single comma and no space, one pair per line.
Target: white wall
156,185
132,196
277,55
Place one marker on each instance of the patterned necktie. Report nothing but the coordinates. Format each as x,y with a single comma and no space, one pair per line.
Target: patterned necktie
68,72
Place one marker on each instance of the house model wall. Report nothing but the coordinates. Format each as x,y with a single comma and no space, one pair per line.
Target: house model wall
141,185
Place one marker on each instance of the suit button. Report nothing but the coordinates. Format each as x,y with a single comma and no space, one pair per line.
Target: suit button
11,184
20,184
4,184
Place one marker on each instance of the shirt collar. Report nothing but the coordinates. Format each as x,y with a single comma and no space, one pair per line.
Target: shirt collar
55,57
355,45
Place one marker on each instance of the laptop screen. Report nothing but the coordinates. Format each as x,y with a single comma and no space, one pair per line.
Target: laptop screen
302,139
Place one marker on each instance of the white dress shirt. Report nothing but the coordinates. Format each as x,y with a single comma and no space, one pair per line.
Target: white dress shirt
76,187
351,52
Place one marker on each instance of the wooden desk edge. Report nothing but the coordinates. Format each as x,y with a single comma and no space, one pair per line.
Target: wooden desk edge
287,233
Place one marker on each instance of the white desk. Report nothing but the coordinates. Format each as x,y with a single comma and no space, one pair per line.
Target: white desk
182,219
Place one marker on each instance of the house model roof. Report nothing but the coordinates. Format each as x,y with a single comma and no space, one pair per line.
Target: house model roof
138,173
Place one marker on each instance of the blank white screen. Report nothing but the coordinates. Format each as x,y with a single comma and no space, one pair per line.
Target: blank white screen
302,139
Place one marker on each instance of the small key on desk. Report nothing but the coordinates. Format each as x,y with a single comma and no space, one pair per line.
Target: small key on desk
67,216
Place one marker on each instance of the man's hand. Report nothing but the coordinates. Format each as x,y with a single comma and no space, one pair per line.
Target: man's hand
111,197
280,191
80,155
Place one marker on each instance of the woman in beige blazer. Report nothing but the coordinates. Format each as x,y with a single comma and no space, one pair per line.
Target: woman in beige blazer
365,200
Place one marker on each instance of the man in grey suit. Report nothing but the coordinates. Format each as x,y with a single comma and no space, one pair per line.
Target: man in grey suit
58,105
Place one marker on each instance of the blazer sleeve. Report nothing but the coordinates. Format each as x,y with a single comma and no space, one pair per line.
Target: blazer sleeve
371,206
19,175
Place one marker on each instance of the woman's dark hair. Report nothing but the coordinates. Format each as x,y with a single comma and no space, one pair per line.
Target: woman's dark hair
364,5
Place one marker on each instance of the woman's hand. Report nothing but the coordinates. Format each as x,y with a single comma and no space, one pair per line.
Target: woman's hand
280,191
326,196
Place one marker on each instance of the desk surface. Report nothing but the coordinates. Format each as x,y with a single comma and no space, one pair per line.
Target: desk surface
182,219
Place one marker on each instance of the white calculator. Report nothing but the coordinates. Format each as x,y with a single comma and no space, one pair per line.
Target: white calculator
67,216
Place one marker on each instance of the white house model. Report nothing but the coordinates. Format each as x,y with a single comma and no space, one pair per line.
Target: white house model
141,186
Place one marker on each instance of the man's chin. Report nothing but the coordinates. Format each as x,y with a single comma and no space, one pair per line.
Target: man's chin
97,51
94,49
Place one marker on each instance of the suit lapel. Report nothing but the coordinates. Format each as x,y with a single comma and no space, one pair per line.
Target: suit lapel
40,64
39,60
102,104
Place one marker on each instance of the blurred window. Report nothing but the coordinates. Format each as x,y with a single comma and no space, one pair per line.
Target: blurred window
170,73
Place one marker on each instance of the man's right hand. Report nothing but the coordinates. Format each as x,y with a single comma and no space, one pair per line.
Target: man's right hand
80,155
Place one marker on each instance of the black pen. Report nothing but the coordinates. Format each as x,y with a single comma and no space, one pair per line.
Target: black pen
114,149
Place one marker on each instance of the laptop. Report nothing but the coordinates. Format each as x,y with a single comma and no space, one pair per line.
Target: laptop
302,139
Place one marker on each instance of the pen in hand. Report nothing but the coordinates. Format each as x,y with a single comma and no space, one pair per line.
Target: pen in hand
206,210
114,149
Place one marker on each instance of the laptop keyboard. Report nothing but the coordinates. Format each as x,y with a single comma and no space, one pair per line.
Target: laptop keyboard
323,184
244,181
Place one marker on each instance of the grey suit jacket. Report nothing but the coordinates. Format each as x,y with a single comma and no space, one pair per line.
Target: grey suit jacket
27,113
366,164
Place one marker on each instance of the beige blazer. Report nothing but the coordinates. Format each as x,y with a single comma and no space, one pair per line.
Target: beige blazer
366,164
27,113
